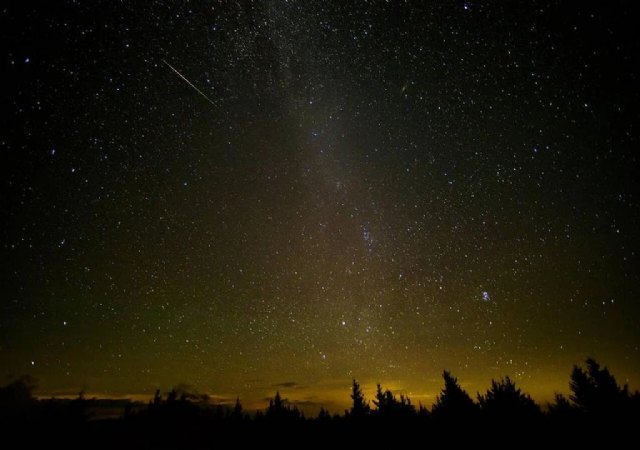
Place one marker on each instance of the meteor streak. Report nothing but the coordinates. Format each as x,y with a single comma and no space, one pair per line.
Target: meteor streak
188,82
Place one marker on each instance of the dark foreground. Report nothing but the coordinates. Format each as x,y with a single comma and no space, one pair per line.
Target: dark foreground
597,411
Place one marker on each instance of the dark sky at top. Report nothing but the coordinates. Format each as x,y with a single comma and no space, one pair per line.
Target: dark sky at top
251,196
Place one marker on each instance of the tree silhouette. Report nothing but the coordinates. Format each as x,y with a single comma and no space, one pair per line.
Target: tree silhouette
382,400
278,411
405,407
595,391
275,406
172,397
389,406
360,407
78,409
19,391
17,396
323,415
562,409
157,399
237,412
453,401
503,400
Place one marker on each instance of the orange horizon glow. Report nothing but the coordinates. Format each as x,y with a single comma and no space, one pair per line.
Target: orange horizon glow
334,395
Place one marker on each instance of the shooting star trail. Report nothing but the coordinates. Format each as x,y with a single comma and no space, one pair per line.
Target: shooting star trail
188,82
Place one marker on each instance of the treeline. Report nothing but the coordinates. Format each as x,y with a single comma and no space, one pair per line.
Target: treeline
179,419
594,393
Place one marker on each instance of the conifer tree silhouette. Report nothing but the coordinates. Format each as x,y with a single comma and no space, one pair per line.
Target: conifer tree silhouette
595,390
360,407
389,406
453,401
237,413
505,401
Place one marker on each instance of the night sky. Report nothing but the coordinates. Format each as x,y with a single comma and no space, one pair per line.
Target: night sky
270,195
